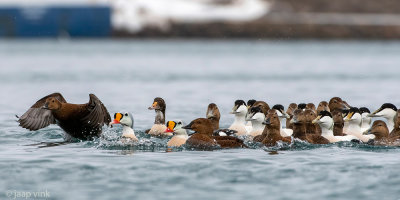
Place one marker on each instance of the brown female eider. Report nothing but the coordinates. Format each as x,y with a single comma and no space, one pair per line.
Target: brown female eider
82,121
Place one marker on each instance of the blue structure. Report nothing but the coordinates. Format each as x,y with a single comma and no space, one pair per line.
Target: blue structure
74,21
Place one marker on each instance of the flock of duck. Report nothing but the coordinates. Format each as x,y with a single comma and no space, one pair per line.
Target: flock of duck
255,121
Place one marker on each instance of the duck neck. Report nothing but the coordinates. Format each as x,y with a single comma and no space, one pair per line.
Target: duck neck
215,122
299,131
338,128
127,131
257,125
390,124
273,131
327,131
240,119
160,117
281,122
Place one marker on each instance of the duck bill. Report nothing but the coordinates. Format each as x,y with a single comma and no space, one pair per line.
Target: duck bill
267,122
115,122
348,118
234,110
316,120
170,127
189,126
374,114
153,106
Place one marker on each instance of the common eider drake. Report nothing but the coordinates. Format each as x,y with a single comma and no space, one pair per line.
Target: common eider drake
387,111
180,134
82,121
158,128
240,111
365,119
354,119
257,118
126,120
325,121
250,103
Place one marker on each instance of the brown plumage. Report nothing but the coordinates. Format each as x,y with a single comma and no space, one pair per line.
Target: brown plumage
263,105
299,129
337,104
311,106
395,134
82,121
273,129
338,123
381,132
311,128
213,115
291,108
203,137
323,106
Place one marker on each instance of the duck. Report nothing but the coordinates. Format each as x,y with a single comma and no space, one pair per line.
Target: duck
180,134
381,132
126,120
365,119
354,119
325,121
311,128
291,108
214,116
272,124
240,111
299,129
260,138
280,111
338,123
345,123
158,128
203,138
323,106
336,103
257,119
250,103
81,121
387,111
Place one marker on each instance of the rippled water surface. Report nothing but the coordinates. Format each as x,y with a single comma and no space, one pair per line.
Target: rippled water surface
126,75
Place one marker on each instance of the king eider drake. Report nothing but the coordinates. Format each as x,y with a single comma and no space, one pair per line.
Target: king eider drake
180,134
240,111
387,111
203,138
126,120
82,121
325,121
158,128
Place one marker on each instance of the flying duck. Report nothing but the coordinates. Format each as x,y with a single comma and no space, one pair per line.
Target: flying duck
82,121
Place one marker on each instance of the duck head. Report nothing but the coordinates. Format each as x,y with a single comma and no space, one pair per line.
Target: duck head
298,117
292,107
387,110
311,106
125,119
379,129
52,103
336,103
213,112
176,127
354,116
201,126
250,103
158,104
324,120
256,114
239,108
337,117
323,106
302,106
272,119
263,105
280,110
309,115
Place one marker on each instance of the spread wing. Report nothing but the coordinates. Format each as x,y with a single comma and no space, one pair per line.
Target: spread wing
36,117
96,114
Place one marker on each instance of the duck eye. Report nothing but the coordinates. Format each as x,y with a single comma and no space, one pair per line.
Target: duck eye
179,123
126,114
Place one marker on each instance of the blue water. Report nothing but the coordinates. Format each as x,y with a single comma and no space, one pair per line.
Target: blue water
127,74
